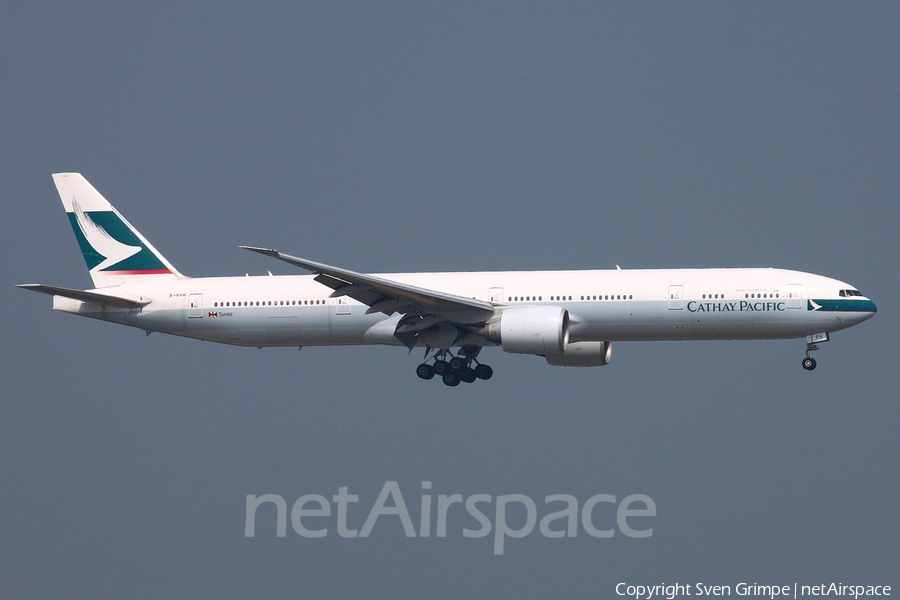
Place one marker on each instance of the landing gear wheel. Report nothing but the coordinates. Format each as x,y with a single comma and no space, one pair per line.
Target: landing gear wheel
457,363
483,372
441,367
809,363
451,378
425,371
467,375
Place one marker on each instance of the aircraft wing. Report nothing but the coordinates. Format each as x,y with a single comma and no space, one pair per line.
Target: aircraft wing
92,297
389,297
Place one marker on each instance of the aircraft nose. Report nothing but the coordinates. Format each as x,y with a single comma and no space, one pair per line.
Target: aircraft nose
867,310
871,308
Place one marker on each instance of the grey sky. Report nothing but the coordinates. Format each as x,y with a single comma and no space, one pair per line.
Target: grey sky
456,136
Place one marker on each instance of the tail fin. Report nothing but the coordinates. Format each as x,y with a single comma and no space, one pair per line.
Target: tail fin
115,252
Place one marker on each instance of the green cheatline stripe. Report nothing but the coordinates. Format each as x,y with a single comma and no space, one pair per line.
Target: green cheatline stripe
842,305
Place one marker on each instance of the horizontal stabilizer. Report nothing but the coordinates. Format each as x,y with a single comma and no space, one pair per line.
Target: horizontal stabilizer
92,297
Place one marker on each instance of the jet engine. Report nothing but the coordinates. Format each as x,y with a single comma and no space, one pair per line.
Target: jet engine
582,354
530,330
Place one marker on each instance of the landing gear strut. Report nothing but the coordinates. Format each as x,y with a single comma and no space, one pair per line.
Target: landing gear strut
455,369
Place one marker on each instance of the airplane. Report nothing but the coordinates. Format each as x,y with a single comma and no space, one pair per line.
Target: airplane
570,318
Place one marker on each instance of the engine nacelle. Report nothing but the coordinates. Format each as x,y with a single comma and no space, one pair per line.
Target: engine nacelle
583,354
530,330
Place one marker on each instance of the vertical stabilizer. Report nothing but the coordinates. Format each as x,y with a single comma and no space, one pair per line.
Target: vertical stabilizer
115,252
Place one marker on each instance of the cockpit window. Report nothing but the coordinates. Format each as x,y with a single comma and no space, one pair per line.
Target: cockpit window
849,293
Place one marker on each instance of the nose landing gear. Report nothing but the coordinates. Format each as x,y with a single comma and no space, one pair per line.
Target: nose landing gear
809,363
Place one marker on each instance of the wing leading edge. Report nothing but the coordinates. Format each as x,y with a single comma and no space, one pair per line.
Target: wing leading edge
388,296
422,308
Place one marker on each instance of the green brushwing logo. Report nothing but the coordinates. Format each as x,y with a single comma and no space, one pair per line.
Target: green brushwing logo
109,245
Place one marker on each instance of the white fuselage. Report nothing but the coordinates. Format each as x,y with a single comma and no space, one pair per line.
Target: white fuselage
607,305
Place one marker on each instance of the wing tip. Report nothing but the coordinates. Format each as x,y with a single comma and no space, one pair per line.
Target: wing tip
266,251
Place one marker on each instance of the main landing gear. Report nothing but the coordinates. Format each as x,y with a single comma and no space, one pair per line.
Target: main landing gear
455,369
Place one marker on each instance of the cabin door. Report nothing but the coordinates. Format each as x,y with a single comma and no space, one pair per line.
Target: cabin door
676,297
195,306
795,296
